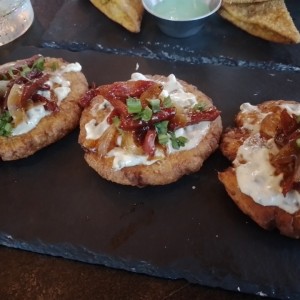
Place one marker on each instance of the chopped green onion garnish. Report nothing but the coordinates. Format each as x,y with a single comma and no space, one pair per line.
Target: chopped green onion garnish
7,127
164,136
54,66
11,73
177,142
162,127
134,105
163,139
5,124
146,114
199,106
162,132
39,64
25,70
167,102
155,105
182,141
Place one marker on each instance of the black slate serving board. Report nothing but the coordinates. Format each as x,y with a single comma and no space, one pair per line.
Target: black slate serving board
78,25
53,203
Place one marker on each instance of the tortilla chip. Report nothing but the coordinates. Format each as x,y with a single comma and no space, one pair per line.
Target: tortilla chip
269,20
128,13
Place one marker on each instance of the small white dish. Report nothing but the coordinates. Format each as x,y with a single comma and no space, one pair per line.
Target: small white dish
178,18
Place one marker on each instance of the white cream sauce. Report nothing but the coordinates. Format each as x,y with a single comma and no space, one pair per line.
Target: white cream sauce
256,176
61,93
95,130
100,106
124,159
138,76
247,108
194,133
292,109
35,114
46,94
72,67
58,79
174,89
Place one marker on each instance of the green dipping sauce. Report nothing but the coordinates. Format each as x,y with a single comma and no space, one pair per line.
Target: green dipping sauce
180,10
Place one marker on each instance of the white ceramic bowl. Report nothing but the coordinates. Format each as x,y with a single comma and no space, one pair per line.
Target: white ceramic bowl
181,18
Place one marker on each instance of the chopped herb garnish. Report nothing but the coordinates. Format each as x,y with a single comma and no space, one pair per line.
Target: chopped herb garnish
134,105
11,72
177,142
164,136
25,70
162,132
5,124
163,139
167,102
162,127
199,106
155,105
146,114
54,66
116,121
39,64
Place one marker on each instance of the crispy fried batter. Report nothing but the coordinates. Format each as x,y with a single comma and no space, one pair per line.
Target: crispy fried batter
231,140
164,171
268,217
52,127
269,20
128,13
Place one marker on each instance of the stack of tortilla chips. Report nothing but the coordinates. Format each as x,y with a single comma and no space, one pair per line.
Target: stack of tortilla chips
267,19
128,13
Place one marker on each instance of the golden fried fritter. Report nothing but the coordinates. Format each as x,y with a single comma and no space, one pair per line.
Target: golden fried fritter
163,167
268,129
57,122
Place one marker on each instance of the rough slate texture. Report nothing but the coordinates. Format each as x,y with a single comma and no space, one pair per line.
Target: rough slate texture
56,204
204,238
79,25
